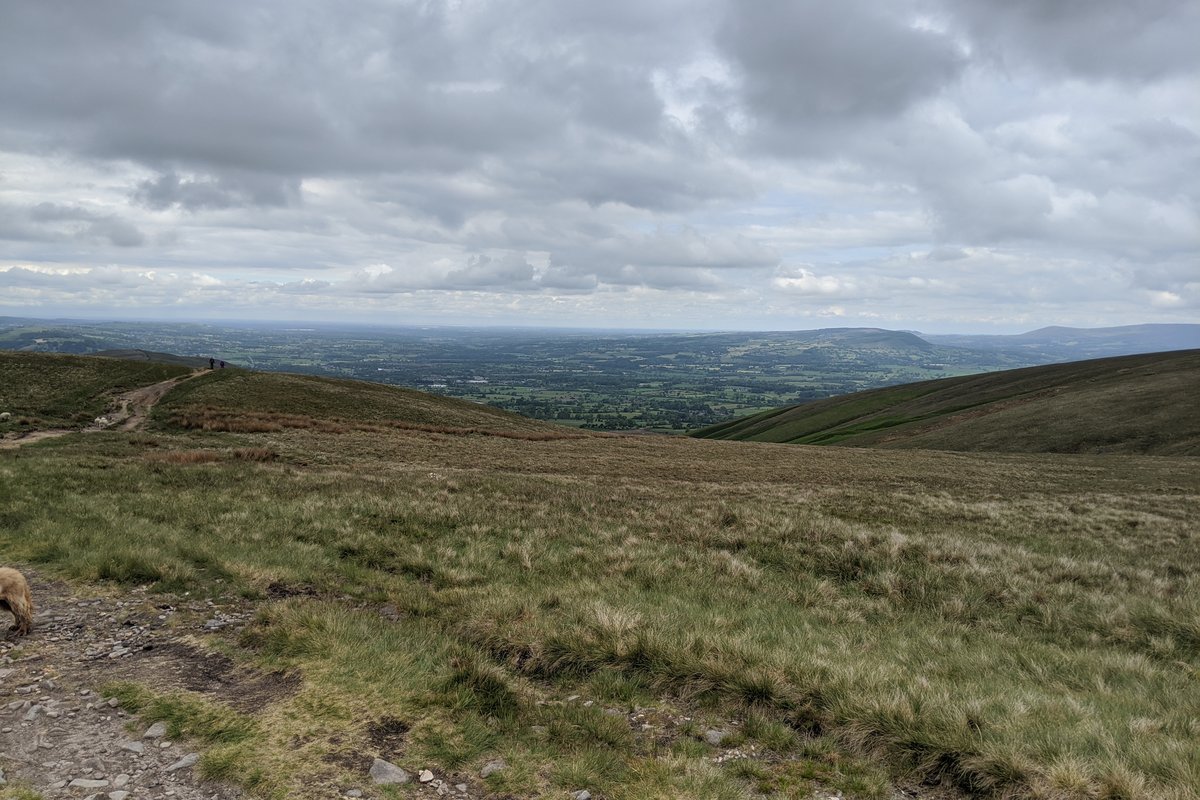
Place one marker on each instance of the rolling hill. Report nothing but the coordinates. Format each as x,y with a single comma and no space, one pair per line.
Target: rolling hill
1131,404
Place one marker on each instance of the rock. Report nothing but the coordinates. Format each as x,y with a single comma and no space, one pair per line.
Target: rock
134,747
353,793
492,767
425,777
87,783
2,780
118,795
120,780
384,772
156,731
715,737
582,794
187,761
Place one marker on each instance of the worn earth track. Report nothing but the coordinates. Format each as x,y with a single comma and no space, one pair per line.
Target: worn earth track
129,412
61,738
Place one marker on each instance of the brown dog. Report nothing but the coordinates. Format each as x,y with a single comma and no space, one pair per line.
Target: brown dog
15,597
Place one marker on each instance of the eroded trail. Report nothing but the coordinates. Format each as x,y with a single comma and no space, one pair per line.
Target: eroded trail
129,412
61,738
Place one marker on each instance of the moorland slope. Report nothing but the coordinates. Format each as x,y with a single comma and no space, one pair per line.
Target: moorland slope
40,390
244,401
1131,404
635,617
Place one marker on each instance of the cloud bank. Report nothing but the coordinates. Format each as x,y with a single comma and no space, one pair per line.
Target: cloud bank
920,164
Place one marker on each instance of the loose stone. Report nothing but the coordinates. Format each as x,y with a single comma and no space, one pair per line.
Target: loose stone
385,772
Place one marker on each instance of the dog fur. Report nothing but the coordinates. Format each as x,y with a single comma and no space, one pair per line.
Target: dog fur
16,598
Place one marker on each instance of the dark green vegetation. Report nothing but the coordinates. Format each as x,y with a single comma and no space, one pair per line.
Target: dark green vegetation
1014,625
598,380
62,391
1132,404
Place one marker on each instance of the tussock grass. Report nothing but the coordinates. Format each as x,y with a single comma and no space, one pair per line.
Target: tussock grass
210,419
1019,626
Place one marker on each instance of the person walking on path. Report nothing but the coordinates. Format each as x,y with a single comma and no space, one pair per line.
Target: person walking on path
212,363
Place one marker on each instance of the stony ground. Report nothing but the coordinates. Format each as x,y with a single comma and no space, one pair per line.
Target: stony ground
59,736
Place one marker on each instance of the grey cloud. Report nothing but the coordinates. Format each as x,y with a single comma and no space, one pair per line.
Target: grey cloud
810,69
55,222
509,272
224,191
1101,39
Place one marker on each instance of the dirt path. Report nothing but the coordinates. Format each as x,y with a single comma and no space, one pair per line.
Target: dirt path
129,412
61,738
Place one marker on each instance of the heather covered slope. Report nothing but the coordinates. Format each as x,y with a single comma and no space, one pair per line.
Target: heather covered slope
1132,404
239,400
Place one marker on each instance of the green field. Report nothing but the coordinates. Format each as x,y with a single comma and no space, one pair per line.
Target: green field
588,607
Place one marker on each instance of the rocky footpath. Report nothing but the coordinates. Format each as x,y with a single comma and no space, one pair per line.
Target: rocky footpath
58,736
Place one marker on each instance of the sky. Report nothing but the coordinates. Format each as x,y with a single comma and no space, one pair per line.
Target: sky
933,165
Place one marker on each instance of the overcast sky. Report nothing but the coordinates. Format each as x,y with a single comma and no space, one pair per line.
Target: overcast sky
939,165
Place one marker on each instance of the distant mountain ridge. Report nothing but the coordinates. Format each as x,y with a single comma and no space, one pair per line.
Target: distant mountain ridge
1062,343
1130,404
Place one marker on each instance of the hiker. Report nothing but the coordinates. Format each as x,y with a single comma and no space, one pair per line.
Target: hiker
222,365
212,363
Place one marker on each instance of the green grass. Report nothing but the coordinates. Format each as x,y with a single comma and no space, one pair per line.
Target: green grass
1132,404
18,793
1019,625
41,390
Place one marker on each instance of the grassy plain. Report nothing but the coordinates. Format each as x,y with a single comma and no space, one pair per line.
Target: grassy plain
1130,404
1011,625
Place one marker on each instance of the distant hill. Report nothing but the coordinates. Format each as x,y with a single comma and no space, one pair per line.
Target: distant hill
1057,343
150,355
1131,404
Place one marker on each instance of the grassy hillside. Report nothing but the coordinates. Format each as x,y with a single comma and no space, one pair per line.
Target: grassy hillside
48,390
238,400
589,608
1131,404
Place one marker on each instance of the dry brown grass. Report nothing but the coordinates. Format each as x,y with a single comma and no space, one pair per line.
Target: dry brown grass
185,457
215,419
